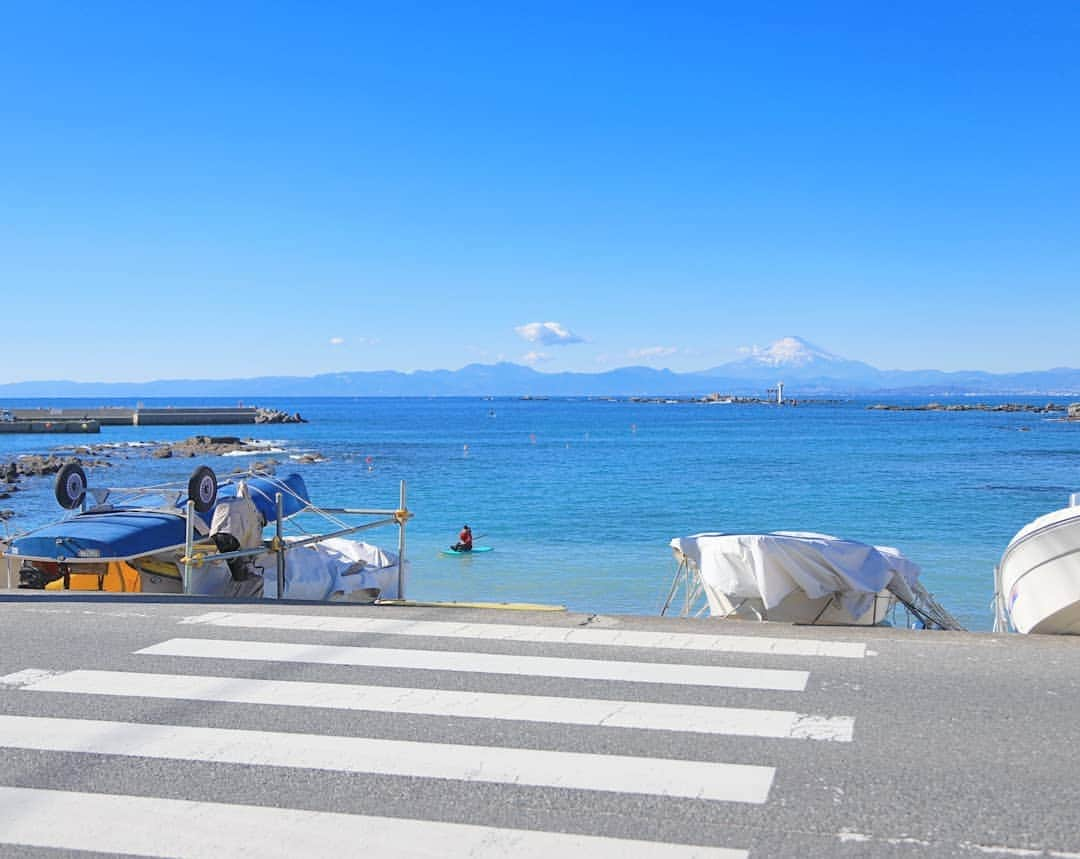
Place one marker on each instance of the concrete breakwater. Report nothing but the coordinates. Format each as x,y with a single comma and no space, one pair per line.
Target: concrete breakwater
50,425
167,416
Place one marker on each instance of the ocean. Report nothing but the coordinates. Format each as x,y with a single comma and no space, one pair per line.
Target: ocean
579,498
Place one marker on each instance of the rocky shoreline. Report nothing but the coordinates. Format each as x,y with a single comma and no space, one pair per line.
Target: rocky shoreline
1072,411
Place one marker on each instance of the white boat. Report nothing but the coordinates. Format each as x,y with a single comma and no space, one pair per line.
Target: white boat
1038,578
798,577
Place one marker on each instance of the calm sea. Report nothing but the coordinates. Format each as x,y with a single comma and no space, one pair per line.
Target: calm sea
579,498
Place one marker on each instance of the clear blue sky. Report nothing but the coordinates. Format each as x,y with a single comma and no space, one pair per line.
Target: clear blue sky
237,189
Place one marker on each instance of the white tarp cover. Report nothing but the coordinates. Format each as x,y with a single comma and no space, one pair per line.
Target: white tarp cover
318,571
770,566
314,572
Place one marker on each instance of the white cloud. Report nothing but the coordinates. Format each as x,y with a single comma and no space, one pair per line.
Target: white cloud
548,333
532,358
653,352
359,341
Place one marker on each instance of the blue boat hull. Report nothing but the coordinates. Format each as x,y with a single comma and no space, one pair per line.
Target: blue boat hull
110,536
262,490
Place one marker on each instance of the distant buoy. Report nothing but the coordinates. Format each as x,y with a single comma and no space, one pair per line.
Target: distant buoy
532,438
633,427
464,450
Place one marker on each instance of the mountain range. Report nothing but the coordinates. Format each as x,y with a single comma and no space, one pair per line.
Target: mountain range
805,370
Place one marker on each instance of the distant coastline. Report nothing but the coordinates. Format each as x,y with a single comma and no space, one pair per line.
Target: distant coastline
1071,411
804,381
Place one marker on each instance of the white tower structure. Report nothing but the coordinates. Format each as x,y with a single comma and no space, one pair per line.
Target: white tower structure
779,393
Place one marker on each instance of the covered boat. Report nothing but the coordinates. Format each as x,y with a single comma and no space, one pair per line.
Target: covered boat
798,577
1038,577
208,541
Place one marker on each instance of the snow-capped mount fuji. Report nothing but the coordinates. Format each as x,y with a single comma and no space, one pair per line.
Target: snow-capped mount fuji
792,358
790,352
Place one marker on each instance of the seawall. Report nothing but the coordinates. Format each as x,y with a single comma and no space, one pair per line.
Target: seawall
50,425
120,416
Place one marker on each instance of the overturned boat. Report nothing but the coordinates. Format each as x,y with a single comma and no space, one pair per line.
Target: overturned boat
1037,581
207,538
798,577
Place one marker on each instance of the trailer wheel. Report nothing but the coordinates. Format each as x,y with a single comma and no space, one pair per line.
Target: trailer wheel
70,486
202,488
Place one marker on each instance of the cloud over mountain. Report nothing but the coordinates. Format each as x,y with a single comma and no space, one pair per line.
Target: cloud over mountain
547,333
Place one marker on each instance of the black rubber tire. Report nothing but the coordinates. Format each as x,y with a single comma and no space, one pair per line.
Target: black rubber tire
70,486
202,488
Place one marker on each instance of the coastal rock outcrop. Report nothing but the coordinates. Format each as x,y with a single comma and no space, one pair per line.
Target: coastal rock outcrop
262,466
207,445
276,416
971,407
37,465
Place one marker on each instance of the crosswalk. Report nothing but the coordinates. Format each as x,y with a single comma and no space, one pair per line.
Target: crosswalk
149,717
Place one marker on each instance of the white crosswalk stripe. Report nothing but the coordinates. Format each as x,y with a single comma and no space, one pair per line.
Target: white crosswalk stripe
477,705
145,826
726,782
486,663
539,634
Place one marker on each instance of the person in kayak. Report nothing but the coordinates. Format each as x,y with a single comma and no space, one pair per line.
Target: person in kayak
464,543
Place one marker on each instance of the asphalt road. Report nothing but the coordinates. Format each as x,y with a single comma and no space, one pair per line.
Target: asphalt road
175,727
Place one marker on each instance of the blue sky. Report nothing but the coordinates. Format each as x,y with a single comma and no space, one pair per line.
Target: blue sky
238,189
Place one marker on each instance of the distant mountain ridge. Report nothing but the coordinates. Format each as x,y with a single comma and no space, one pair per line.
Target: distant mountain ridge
806,370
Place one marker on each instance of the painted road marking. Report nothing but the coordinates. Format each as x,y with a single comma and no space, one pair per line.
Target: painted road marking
500,765
146,826
487,663
435,702
541,634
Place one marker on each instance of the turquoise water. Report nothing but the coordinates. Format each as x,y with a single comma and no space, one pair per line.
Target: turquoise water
580,498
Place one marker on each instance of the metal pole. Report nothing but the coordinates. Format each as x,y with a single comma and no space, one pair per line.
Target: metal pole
402,519
189,542
279,545
674,587
1001,618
